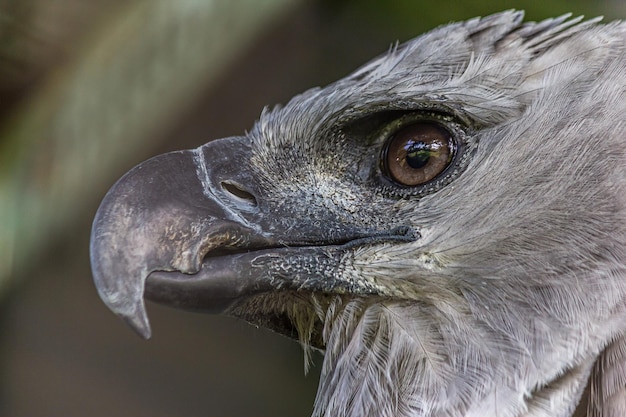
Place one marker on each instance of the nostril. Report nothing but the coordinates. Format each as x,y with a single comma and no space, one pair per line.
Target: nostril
238,192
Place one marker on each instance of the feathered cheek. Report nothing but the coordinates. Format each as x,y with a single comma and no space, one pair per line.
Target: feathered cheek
396,271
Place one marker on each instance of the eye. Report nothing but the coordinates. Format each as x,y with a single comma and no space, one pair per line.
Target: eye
418,153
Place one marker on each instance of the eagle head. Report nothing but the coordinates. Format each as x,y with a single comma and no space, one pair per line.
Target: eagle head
447,224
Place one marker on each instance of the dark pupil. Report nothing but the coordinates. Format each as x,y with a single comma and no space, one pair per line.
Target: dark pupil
417,154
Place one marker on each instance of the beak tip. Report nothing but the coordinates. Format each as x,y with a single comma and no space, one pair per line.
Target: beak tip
138,321
127,304
142,328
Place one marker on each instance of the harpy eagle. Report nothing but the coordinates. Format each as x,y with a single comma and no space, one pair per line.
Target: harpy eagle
447,223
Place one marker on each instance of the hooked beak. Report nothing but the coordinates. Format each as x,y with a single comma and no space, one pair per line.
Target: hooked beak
166,215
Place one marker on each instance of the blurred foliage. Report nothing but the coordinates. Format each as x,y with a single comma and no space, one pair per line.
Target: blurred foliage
107,82
410,17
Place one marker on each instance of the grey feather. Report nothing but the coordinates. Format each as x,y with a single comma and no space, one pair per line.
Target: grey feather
519,278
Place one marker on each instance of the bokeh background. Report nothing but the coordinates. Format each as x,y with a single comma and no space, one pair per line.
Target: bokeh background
88,89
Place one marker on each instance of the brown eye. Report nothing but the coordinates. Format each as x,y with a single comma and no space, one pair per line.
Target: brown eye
418,153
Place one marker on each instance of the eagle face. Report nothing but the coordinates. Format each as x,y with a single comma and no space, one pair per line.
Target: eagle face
446,224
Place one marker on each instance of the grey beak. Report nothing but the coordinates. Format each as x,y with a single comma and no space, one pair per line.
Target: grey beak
145,223
165,215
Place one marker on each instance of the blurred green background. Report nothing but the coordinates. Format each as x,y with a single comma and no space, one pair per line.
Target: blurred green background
88,90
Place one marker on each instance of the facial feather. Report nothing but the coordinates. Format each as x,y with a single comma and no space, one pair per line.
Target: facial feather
519,267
